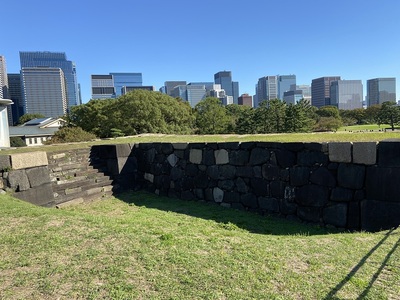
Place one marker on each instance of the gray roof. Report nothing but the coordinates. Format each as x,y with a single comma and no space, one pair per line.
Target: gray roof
31,131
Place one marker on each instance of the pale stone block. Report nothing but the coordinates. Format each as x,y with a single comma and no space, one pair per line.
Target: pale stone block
340,152
221,156
179,146
218,195
28,160
149,177
364,153
195,156
173,160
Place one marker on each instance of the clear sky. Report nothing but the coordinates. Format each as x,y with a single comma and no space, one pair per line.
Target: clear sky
192,40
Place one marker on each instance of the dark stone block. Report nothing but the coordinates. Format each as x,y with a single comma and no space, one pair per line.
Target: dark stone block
191,170
187,183
246,171
351,176
213,146
342,195
379,215
389,154
239,157
318,147
277,189
201,181
5,163
229,145
155,169
238,206
130,166
322,176
359,195
285,158
247,145
226,185
295,146
287,207
311,214
285,175
353,216
213,172
270,145
208,157
270,172
259,186
299,176
241,185
227,172
176,173
257,171
40,195
18,180
383,184
188,195
231,197
208,194
312,158
336,215
38,176
312,195
269,204
150,155
259,156
249,200
167,148
199,193
196,146
160,158
180,153
333,166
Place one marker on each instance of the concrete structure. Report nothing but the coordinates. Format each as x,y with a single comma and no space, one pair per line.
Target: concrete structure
102,87
224,78
346,94
245,99
55,60
4,87
380,90
4,129
44,91
320,90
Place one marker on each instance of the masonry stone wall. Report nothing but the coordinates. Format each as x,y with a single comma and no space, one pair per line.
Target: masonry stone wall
348,185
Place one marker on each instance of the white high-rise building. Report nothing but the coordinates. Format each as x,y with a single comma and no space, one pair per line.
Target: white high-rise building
3,78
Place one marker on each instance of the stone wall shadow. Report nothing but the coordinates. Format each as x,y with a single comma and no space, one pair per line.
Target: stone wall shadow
247,220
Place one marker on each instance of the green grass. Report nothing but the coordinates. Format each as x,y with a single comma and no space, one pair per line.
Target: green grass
365,127
140,246
340,136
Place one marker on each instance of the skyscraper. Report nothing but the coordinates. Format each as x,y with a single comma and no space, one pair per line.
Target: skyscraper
320,90
44,91
169,86
346,94
3,78
273,87
224,78
380,90
111,85
14,92
55,60
126,80
245,99
284,84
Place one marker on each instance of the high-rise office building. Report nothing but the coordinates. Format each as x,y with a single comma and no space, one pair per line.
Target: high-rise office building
284,84
127,80
380,90
245,99
346,94
224,78
190,93
44,91
55,60
169,86
3,78
273,87
14,92
320,90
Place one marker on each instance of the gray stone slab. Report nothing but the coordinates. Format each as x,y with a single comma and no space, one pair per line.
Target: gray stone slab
221,156
180,146
172,159
218,194
364,153
18,180
195,156
38,176
28,160
40,195
340,152
5,163
336,215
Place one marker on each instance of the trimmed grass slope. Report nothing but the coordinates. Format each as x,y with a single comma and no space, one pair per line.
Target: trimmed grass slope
140,246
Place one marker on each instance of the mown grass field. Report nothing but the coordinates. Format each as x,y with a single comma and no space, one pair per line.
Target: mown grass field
141,246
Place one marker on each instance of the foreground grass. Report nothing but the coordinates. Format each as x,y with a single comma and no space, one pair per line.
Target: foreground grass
141,246
353,135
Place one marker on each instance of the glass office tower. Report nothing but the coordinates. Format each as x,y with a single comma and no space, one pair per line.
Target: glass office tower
380,90
346,94
126,79
320,90
55,60
224,78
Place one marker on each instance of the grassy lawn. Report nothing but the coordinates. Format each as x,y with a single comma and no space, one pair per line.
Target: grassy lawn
341,136
141,246
366,127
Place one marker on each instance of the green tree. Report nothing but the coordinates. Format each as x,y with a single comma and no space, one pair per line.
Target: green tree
298,118
328,111
263,118
389,114
372,114
241,119
327,124
211,117
70,135
277,110
27,117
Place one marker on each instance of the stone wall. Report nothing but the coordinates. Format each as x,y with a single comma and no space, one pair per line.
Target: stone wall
348,185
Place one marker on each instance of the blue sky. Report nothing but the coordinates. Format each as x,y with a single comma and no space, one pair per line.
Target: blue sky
192,40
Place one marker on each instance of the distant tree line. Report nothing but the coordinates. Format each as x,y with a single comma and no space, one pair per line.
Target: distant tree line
143,111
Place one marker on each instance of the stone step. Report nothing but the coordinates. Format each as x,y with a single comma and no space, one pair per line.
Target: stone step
79,186
80,200
93,192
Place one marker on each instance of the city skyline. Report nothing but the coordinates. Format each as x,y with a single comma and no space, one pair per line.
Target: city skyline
309,39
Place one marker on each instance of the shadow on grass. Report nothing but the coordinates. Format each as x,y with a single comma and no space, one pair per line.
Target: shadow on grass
333,293
249,221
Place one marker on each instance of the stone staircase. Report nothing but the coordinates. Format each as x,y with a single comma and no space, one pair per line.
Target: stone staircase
78,178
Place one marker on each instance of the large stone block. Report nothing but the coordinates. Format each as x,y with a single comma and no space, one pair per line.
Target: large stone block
379,215
287,207
259,156
195,156
342,195
227,172
179,146
18,180
277,189
336,215
28,160
299,176
40,195
249,200
268,204
382,184
218,195
226,185
5,163
312,195
167,148
239,157
270,172
221,157
241,185
172,160
340,152
311,214
351,176
389,154
364,153
260,187
285,158
246,171
208,157
122,150
353,216
322,176
311,158
38,176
